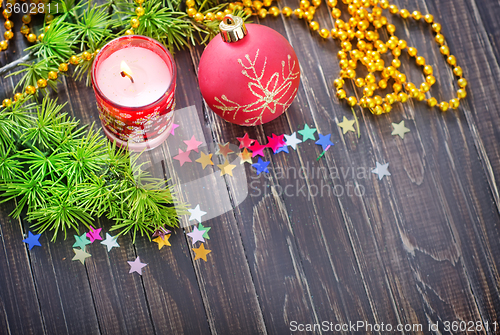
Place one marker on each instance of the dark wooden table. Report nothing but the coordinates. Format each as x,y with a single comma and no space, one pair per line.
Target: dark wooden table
420,247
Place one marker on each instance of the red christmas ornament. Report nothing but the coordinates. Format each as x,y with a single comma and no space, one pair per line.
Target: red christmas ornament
250,76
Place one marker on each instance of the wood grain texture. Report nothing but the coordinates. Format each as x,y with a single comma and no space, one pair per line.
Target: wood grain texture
19,305
418,247
227,289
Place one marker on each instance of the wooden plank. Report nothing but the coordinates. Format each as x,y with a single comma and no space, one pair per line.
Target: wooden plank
171,286
285,244
467,36
119,297
18,296
61,298
120,302
481,234
64,291
397,222
225,281
327,214
269,248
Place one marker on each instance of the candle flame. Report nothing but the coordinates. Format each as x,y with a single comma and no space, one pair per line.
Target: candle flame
124,67
126,71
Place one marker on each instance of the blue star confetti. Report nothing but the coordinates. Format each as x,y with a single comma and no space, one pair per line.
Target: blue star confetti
261,166
324,141
32,240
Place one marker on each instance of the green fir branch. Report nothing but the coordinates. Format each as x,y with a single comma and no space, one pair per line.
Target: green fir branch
10,165
63,174
164,24
43,165
28,190
86,157
32,72
92,28
61,213
50,126
57,43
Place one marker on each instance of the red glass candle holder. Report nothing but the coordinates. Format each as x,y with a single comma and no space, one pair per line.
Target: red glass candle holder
128,123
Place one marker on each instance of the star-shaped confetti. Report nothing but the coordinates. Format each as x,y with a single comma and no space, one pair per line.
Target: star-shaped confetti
183,157
193,144
275,142
205,230
261,166
94,234
174,126
324,141
245,141
32,240
282,149
136,266
162,241
381,170
196,213
201,252
258,149
292,140
161,232
110,242
196,235
224,150
81,241
307,133
245,156
347,125
80,255
205,160
226,168
399,129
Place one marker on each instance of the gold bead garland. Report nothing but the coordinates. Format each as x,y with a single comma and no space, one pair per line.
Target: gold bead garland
85,56
360,43
25,29
51,76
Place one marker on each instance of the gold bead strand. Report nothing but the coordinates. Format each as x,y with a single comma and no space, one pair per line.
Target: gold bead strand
8,34
427,69
42,82
26,19
134,22
451,60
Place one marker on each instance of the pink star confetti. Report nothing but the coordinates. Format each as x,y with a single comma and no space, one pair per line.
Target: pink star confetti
258,149
183,157
193,144
197,235
275,142
172,131
136,266
94,234
245,141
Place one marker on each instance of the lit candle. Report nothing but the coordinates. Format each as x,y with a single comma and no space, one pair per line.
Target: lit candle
134,82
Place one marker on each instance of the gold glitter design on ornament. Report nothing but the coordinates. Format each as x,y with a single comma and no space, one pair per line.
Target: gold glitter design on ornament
268,95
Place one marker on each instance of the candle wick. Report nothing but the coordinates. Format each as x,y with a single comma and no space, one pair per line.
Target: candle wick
125,74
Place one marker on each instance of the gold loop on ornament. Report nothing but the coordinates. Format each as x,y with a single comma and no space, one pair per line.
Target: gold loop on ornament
232,28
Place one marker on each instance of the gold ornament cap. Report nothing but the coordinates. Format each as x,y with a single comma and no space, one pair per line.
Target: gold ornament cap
232,28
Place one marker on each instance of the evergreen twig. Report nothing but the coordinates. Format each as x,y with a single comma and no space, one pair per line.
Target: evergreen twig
63,174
